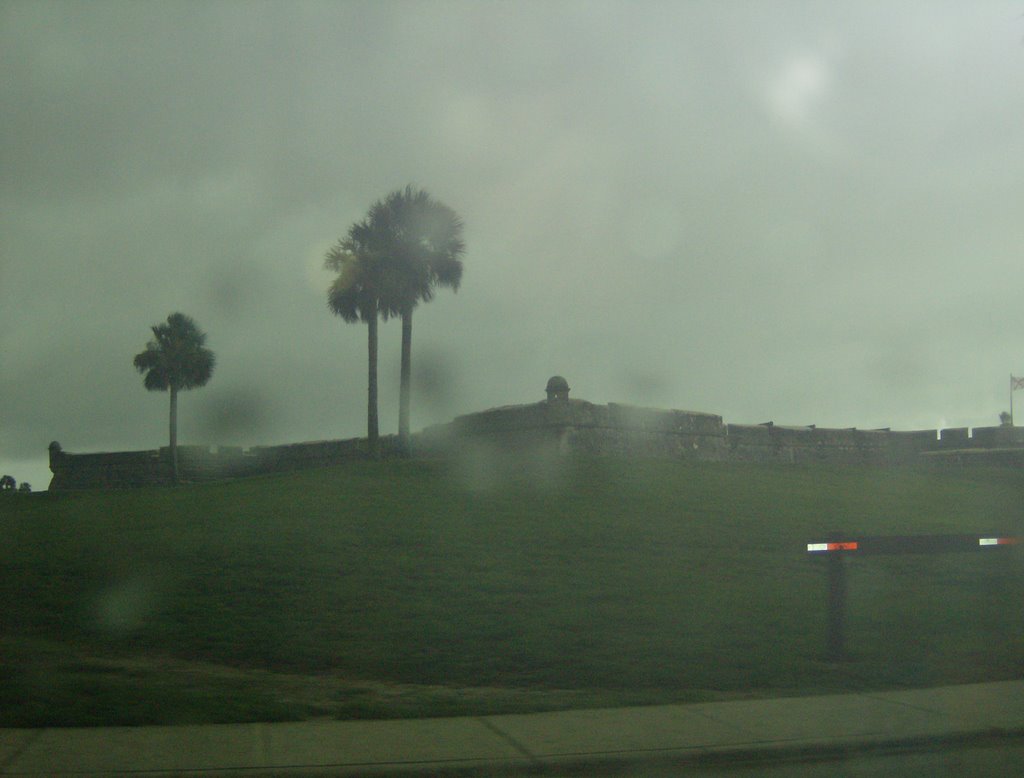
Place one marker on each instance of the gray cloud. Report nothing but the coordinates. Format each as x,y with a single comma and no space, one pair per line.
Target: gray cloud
799,212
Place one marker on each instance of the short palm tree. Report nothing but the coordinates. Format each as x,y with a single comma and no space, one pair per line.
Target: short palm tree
418,244
176,359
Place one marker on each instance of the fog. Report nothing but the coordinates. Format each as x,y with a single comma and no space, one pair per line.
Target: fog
800,212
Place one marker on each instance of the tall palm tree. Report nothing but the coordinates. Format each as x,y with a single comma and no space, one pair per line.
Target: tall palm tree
176,359
355,296
418,244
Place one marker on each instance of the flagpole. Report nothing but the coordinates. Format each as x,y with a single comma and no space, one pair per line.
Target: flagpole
1011,399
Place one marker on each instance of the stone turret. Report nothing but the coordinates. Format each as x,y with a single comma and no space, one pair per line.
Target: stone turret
55,455
557,389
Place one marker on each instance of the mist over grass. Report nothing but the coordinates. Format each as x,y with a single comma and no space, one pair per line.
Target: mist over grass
614,580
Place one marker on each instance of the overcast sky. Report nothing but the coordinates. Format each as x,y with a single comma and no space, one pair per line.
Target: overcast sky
803,212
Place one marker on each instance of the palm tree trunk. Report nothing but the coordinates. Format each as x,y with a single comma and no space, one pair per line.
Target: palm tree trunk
405,389
174,435
372,432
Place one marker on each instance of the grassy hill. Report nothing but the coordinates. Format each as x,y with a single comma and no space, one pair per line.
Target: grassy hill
407,588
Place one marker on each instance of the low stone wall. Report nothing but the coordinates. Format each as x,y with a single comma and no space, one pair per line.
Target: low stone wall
198,463
995,437
107,471
623,430
771,443
562,426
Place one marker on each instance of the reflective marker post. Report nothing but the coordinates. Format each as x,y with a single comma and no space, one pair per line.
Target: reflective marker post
836,548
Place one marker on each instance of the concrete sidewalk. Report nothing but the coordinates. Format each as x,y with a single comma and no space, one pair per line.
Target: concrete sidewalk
564,742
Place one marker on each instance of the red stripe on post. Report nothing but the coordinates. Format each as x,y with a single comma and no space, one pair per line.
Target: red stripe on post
997,541
847,546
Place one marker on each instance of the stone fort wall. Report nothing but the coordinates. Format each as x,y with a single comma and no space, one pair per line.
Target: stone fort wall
197,463
575,425
566,426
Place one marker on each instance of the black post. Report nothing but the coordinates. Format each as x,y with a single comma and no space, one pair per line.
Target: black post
835,649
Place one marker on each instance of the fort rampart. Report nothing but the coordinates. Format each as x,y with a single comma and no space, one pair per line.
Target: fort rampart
565,425
196,463
575,425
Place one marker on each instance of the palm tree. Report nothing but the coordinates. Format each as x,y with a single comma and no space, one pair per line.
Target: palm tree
418,244
355,296
174,360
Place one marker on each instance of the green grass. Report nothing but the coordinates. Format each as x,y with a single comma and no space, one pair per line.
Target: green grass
408,588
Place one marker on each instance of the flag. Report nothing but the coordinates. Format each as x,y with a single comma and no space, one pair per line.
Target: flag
1016,383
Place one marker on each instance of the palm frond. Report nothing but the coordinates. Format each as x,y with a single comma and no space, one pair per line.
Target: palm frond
414,243
176,357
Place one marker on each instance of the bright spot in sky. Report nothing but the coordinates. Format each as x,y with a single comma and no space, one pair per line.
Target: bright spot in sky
797,87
